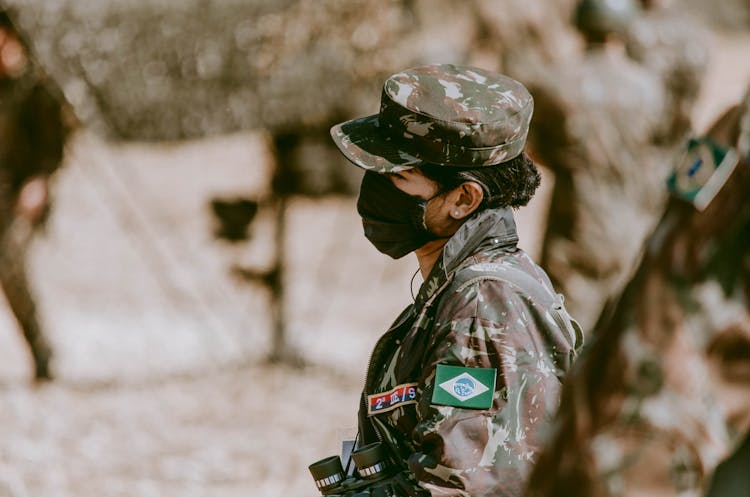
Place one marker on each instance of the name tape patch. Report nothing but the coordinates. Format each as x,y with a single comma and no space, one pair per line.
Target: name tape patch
396,397
470,388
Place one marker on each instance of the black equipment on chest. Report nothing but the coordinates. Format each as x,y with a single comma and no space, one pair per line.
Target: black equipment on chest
375,475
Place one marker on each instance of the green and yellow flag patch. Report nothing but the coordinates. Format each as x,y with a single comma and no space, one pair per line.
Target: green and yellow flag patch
470,388
701,171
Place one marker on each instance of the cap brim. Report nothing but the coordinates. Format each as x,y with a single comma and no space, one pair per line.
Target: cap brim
364,144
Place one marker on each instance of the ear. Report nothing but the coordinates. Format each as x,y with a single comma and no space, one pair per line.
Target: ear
468,196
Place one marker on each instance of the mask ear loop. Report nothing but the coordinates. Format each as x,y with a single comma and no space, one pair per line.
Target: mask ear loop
420,220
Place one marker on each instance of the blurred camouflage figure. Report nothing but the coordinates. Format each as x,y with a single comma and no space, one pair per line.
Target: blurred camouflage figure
32,136
598,126
673,45
662,393
461,387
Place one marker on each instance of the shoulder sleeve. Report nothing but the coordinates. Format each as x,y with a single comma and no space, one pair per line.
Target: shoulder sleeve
485,451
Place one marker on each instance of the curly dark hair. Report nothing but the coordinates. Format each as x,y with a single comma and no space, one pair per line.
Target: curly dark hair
508,184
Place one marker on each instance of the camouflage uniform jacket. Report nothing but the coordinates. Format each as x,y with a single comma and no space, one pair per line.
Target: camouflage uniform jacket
472,313
674,424
684,397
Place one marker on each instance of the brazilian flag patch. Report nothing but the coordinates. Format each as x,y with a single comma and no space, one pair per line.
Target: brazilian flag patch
458,386
701,171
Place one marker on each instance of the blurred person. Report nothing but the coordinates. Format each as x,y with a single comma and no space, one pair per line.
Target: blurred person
461,386
662,393
32,135
674,46
597,127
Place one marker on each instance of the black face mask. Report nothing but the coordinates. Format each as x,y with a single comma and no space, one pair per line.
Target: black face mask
393,220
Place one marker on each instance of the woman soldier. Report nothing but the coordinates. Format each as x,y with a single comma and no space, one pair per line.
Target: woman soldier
460,388
661,394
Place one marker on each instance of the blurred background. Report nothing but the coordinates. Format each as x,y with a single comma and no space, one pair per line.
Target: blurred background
201,278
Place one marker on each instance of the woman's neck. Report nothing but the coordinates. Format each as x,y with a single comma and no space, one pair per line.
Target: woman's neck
428,254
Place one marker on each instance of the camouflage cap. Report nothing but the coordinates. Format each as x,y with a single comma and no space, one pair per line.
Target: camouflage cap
440,114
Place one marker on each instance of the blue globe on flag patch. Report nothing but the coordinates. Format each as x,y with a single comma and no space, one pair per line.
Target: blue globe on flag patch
464,387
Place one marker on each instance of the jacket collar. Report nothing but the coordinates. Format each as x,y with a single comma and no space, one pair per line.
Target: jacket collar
490,228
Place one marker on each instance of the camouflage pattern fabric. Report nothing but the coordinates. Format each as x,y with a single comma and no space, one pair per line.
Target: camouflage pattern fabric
468,314
440,114
661,394
673,46
609,170
671,435
596,126
679,406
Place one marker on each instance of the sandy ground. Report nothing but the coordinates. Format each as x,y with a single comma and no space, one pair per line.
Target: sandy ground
163,389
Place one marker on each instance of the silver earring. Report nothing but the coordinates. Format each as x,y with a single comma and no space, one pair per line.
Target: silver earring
456,213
